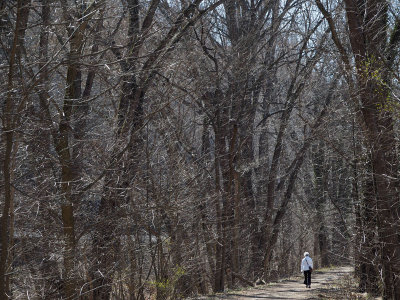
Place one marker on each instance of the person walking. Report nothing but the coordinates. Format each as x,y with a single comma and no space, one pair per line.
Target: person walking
306,268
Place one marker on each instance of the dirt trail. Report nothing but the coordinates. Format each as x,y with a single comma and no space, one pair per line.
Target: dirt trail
322,283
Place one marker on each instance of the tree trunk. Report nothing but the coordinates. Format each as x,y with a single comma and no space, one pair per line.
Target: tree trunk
10,122
220,245
367,22
320,202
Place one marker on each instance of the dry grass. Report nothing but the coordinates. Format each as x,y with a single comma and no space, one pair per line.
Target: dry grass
345,288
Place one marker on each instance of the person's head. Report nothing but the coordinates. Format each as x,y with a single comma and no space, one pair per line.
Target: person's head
306,254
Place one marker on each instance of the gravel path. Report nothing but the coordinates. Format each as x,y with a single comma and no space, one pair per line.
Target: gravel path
322,284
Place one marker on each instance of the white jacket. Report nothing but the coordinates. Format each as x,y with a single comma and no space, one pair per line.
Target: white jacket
306,263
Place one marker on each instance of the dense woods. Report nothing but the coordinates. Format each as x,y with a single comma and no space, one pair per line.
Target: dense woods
161,149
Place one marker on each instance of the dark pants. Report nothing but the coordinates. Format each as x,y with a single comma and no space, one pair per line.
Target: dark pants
307,277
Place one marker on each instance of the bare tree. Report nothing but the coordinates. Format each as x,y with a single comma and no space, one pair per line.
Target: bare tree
14,101
162,149
374,52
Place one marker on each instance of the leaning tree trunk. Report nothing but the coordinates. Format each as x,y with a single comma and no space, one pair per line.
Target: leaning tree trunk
295,167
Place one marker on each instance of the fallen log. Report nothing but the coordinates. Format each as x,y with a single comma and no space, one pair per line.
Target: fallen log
242,279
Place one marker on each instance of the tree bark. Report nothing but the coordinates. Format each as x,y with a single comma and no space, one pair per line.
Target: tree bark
10,122
220,155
